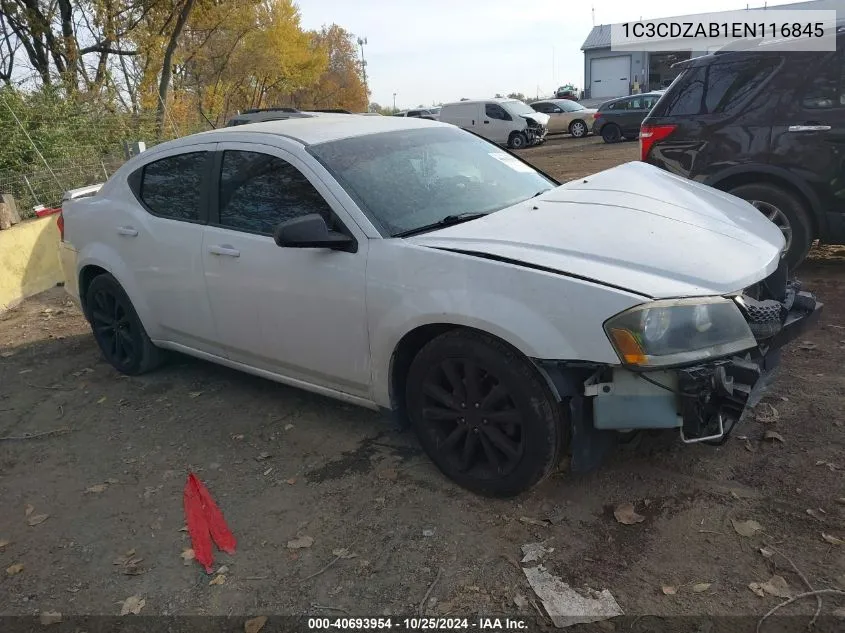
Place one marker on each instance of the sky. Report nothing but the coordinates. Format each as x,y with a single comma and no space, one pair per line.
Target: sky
431,51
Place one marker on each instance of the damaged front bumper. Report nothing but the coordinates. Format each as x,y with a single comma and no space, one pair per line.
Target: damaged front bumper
705,401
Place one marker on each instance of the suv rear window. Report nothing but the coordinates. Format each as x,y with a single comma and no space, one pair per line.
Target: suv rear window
717,87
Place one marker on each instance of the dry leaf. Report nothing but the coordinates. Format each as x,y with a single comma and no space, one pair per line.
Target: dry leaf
101,401
301,542
343,553
766,413
238,436
219,579
112,481
268,471
50,617
776,586
390,474
626,515
254,625
288,427
816,514
195,394
187,556
14,569
133,604
773,435
700,587
531,521
746,528
756,588
122,560
35,519
290,481
263,455
841,501
832,539
96,488
669,590
807,345
749,447
766,552
29,509
4,543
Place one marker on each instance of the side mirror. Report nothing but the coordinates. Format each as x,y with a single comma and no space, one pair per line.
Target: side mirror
311,231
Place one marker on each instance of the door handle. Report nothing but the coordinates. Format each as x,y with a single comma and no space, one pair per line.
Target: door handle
224,249
129,231
486,122
473,121
809,128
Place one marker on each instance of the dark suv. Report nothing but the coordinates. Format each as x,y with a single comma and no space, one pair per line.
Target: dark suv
620,118
766,126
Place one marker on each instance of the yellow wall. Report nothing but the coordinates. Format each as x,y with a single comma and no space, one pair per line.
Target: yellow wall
29,259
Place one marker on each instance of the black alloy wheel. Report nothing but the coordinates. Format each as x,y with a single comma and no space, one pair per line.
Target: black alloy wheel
484,414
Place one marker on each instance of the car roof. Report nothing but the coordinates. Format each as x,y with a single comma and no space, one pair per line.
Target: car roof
491,100
318,127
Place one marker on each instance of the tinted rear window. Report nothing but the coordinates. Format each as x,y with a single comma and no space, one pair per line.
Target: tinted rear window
719,87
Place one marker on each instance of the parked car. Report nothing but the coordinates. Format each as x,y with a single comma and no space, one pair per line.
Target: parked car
409,266
419,113
566,116
504,121
566,92
620,119
767,126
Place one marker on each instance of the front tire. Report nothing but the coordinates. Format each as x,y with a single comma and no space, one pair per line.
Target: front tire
578,129
611,133
788,213
117,329
484,414
517,140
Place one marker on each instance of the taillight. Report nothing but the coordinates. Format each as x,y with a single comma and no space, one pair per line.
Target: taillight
651,134
60,223
596,115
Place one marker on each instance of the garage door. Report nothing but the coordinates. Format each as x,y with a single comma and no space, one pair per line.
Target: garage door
610,76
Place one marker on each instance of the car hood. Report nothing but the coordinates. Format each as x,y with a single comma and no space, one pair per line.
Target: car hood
635,227
540,117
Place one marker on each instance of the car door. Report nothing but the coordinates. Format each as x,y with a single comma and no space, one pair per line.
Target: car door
808,138
297,312
160,240
632,113
497,124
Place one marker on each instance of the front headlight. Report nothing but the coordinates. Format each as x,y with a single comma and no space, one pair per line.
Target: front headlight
678,332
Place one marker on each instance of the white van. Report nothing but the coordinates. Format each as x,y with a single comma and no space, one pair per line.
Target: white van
504,121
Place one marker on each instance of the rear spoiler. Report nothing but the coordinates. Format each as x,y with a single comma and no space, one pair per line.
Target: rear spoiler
81,192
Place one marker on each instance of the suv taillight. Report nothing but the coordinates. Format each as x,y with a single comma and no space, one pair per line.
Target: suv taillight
60,223
651,134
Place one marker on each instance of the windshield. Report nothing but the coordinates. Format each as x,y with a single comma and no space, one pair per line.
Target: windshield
570,106
408,179
518,108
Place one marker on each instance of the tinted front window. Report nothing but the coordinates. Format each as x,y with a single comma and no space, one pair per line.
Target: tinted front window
257,191
412,178
543,107
172,187
495,111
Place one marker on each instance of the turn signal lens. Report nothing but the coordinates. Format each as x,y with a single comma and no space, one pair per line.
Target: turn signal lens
628,347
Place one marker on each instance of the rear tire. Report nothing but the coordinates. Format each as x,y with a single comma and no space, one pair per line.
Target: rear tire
611,133
483,414
788,212
518,140
578,129
117,329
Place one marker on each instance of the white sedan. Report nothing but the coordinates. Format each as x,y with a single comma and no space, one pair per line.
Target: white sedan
406,265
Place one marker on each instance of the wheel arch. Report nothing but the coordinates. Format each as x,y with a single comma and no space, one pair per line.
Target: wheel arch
748,174
410,344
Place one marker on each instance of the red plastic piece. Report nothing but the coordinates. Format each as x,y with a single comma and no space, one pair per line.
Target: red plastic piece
205,522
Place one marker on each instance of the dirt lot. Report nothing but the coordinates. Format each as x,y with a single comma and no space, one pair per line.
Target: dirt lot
283,463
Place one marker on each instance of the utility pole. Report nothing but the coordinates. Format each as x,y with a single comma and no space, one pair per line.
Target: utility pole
362,42
394,103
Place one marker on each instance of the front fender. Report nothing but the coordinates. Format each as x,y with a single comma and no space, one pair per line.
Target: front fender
541,314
